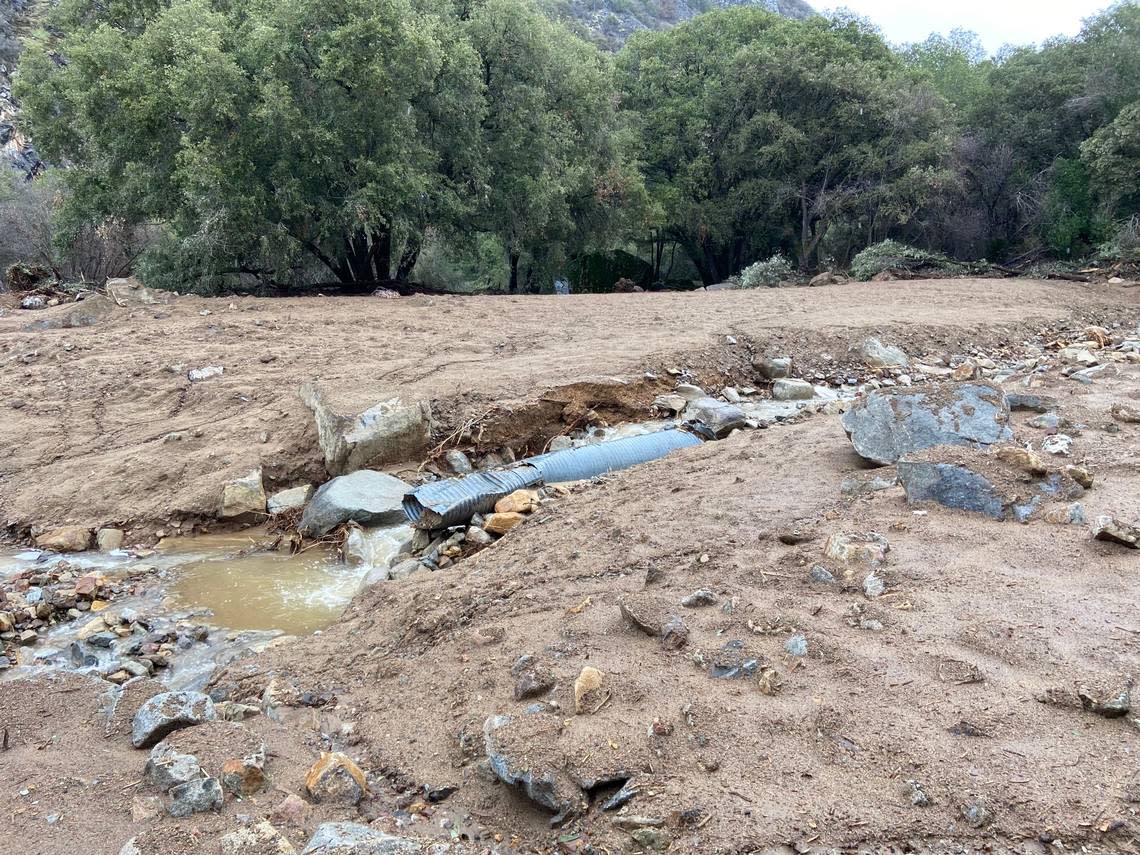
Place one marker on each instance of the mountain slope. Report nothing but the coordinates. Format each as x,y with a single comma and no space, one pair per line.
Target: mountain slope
610,22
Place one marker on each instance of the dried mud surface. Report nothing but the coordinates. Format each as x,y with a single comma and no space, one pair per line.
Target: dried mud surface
969,688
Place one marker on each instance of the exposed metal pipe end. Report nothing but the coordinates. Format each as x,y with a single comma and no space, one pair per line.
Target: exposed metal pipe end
444,503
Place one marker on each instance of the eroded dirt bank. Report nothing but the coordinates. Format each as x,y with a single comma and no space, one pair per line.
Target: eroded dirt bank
960,681
102,426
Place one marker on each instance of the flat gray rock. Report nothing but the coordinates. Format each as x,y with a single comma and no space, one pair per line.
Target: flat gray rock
170,711
887,425
366,497
352,838
168,768
719,418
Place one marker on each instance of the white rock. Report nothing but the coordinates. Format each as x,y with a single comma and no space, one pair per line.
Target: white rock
291,499
196,375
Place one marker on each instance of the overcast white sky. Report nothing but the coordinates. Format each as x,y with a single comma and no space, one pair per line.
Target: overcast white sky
998,22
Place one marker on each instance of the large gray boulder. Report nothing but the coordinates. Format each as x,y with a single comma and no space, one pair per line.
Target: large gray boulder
352,838
390,432
167,712
887,425
366,497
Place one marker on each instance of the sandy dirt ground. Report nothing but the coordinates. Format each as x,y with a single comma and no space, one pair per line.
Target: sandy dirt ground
86,411
960,682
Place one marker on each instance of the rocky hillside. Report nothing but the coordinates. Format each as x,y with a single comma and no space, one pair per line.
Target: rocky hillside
611,22
14,147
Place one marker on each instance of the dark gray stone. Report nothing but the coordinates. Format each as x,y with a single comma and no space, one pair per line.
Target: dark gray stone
170,711
199,796
511,752
366,497
954,485
887,425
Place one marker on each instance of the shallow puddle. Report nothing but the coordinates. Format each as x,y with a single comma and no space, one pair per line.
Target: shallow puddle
249,589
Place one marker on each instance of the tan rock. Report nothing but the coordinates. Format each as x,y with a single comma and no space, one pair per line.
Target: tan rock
867,547
335,778
1126,413
68,538
243,497
1081,475
259,839
968,370
502,523
109,539
1023,459
292,810
518,502
145,807
586,690
91,628
1117,531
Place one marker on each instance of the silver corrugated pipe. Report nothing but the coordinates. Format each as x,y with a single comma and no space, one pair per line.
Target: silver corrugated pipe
444,503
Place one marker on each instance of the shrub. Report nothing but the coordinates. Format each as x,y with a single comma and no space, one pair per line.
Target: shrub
770,273
1124,245
897,258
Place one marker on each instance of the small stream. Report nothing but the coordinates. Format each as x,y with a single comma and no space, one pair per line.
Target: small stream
214,597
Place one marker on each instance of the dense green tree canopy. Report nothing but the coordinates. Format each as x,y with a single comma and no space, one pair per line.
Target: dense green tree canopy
296,141
761,133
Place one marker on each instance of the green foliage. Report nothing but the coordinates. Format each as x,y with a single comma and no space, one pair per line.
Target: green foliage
1073,225
760,133
772,272
1124,244
269,136
1112,156
893,256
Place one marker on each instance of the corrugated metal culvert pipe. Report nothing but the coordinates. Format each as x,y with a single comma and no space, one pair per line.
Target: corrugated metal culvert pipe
444,503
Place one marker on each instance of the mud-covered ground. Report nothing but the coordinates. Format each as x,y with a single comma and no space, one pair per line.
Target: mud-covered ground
960,682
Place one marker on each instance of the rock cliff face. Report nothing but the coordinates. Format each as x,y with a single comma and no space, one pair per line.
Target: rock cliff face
610,22
15,149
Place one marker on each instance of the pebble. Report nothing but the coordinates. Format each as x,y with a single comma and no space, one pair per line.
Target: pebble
821,575
873,587
502,523
167,712
701,597
796,646
788,389
586,690
197,375
1058,444
532,677
168,768
1114,530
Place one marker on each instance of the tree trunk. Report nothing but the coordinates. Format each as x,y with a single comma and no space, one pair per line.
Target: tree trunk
514,284
409,257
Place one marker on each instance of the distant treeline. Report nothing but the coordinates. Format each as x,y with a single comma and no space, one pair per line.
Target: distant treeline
280,143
